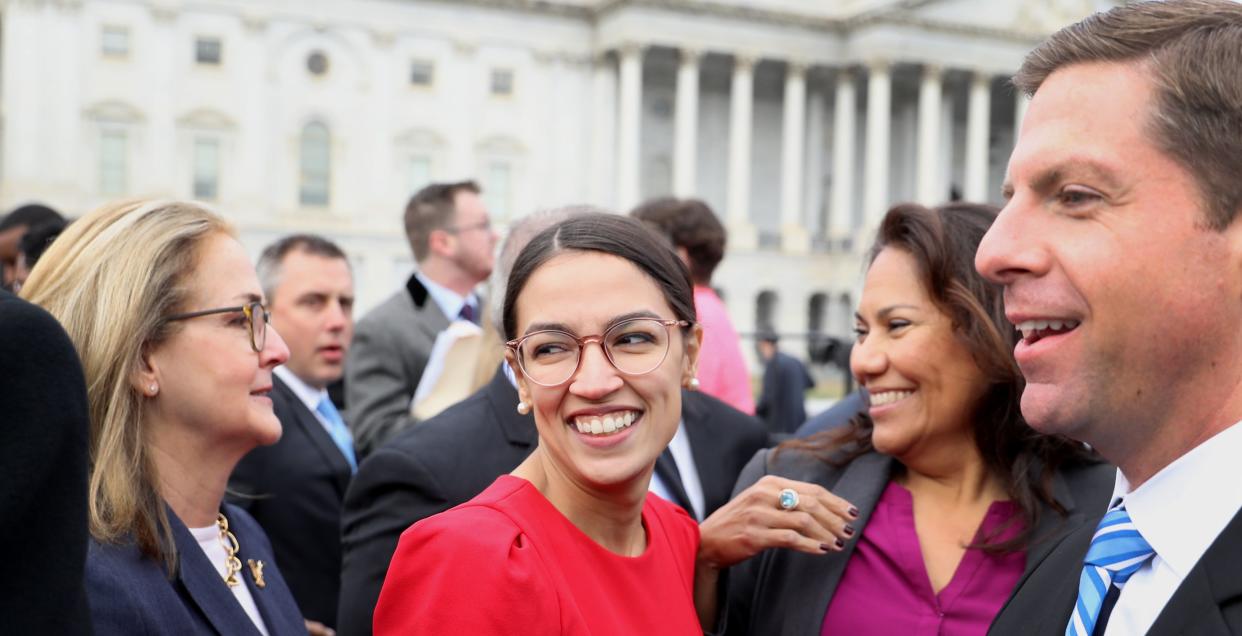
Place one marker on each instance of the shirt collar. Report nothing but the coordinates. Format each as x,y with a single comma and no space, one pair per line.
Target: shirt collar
1182,508
309,395
449,301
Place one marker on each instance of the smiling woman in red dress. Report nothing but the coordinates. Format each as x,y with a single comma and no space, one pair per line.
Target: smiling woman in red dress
600,317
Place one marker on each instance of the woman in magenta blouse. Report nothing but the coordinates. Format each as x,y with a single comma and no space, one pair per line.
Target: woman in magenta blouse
952,496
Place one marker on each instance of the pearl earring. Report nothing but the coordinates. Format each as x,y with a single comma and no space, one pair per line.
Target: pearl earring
693,384
523,408
154,389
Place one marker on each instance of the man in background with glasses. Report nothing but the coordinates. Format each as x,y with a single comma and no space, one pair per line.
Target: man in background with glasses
453,243
294,488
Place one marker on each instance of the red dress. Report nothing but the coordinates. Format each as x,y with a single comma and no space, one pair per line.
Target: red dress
508,562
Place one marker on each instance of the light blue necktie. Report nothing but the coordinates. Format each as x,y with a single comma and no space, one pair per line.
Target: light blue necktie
339,432
1117,551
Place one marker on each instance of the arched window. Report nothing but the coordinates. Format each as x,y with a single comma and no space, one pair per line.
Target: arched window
816,312
845,314
765,311
316,164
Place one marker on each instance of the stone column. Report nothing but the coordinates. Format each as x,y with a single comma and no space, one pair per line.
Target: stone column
686,124
879,121
794,237
929,190
603,129
629,127
978,116
841,210
742,233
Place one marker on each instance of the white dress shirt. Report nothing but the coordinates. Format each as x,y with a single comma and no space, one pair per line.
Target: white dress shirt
449,301
307,394
1179,511
686,469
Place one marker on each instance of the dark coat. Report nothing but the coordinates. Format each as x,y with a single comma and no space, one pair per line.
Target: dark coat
786,592
1209,601
455,455
130,593
43,439
782,403
294,489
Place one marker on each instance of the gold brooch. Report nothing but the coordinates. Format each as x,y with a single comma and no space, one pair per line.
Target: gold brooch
256,572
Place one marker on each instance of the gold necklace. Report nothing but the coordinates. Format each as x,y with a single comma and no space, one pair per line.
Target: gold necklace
232,564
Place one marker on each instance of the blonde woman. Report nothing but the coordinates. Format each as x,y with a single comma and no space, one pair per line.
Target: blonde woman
167,315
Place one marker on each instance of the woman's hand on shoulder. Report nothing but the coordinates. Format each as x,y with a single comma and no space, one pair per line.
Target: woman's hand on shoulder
754,521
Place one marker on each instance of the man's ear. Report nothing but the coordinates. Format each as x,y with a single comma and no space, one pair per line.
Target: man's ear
441,242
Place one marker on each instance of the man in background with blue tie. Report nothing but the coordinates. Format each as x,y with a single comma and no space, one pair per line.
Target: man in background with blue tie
294,488
1120,249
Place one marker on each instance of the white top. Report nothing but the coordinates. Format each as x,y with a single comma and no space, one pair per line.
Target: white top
1180,511
307,394
209,540
686,468
449,301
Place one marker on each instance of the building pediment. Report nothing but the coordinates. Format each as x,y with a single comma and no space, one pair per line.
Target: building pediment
113,111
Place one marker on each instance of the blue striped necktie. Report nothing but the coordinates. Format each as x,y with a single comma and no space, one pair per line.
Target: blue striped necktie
1117,551
339,432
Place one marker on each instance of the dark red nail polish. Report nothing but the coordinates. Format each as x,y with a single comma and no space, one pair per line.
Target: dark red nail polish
853,512
840,544
825,547
848,530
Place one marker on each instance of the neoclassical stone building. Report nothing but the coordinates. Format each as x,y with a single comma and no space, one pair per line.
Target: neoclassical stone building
799,121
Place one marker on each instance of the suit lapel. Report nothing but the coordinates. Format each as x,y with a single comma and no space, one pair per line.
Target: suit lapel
1214,581
204,585
861,484
319,438
666,468
431,319
503,398
706,450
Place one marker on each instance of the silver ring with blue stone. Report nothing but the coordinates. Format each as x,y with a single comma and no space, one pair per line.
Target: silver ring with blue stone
787,499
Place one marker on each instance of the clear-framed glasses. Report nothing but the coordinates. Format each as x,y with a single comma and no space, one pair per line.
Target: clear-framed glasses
634,347
485,224
257,316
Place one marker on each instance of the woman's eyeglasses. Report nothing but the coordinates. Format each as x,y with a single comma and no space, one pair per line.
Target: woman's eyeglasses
634,347
257,316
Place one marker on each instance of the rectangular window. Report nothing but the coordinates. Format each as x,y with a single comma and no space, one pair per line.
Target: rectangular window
502,82
206,168
420,172
207,51
113,162
114,41
422,73
497,189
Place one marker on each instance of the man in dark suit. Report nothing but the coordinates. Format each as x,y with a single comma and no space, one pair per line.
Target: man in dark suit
1120,250
43,442
782,402
294,488
451,236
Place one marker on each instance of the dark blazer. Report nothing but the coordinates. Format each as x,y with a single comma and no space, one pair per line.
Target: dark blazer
131,594
455,455
782,403
1209,601
43,448
294,489
386,359
722,440
787,592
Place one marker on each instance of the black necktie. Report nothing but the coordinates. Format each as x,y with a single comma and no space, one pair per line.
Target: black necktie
467,312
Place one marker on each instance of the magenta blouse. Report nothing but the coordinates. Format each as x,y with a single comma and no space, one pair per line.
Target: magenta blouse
885,588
